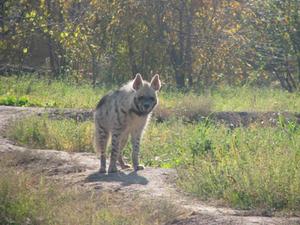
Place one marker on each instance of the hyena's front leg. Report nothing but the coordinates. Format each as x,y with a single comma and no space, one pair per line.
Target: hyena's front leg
115,151
135,140
122,145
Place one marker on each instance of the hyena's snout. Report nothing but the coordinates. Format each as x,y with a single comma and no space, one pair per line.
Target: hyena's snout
147,104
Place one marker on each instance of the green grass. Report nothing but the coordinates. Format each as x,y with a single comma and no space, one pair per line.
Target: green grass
66,94
40,132
39,92
29,199
245,167
254,167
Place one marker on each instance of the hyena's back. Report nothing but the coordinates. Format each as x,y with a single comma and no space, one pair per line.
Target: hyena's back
108,110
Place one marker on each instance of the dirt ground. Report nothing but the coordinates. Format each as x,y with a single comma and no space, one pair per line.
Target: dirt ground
152,183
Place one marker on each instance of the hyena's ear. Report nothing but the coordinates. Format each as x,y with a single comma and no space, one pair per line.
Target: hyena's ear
137,82
155,82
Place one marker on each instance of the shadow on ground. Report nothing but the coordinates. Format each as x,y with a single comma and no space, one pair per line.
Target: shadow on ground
125,179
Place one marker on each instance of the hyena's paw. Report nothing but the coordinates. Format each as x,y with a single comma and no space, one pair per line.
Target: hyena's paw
139,167
102,170
112,169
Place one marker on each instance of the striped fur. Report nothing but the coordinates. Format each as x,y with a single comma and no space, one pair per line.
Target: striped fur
121,114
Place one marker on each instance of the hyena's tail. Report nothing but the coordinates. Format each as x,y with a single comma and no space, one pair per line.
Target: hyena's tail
101,139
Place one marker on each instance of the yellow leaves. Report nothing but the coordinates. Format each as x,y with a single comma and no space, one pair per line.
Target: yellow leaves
198,14
4,29
31,14
93,46
64,34
42,4
234,29
286,36
235,5
25,50
3,44
93,2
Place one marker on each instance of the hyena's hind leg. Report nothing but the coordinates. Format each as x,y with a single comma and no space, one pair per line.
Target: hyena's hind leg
101,139
120,159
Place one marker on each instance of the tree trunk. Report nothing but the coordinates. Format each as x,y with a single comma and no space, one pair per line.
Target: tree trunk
188,49
132,62
179,76
51,47
94,70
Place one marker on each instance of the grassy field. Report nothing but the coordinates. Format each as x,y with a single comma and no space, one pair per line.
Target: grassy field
30,199
254,167
31,91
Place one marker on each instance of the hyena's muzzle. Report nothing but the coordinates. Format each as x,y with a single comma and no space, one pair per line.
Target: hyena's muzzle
145,104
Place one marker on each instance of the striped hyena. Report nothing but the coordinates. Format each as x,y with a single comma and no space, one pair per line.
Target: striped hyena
122,113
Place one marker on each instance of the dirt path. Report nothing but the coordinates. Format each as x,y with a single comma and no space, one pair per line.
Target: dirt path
82,169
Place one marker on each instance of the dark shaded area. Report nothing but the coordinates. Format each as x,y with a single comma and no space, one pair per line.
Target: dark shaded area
124,178
40,162
202,219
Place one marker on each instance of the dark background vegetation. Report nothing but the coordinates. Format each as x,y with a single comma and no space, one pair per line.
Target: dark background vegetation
192,43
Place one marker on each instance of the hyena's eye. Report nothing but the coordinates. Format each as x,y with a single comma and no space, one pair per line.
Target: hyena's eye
140,98
152,99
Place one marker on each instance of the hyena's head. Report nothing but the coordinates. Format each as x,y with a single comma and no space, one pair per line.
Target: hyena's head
145,94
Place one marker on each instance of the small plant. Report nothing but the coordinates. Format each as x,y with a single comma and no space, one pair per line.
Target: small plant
14,101
201,143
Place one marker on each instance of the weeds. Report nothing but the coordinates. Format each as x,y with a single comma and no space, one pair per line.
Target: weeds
248,168
29,199
40,132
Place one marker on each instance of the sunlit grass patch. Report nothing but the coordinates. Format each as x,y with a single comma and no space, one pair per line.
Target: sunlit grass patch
30,199
247,98
247,168
68,94
40,132
60,94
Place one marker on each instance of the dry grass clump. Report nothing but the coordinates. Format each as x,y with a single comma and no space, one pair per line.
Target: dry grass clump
189,107
26,198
